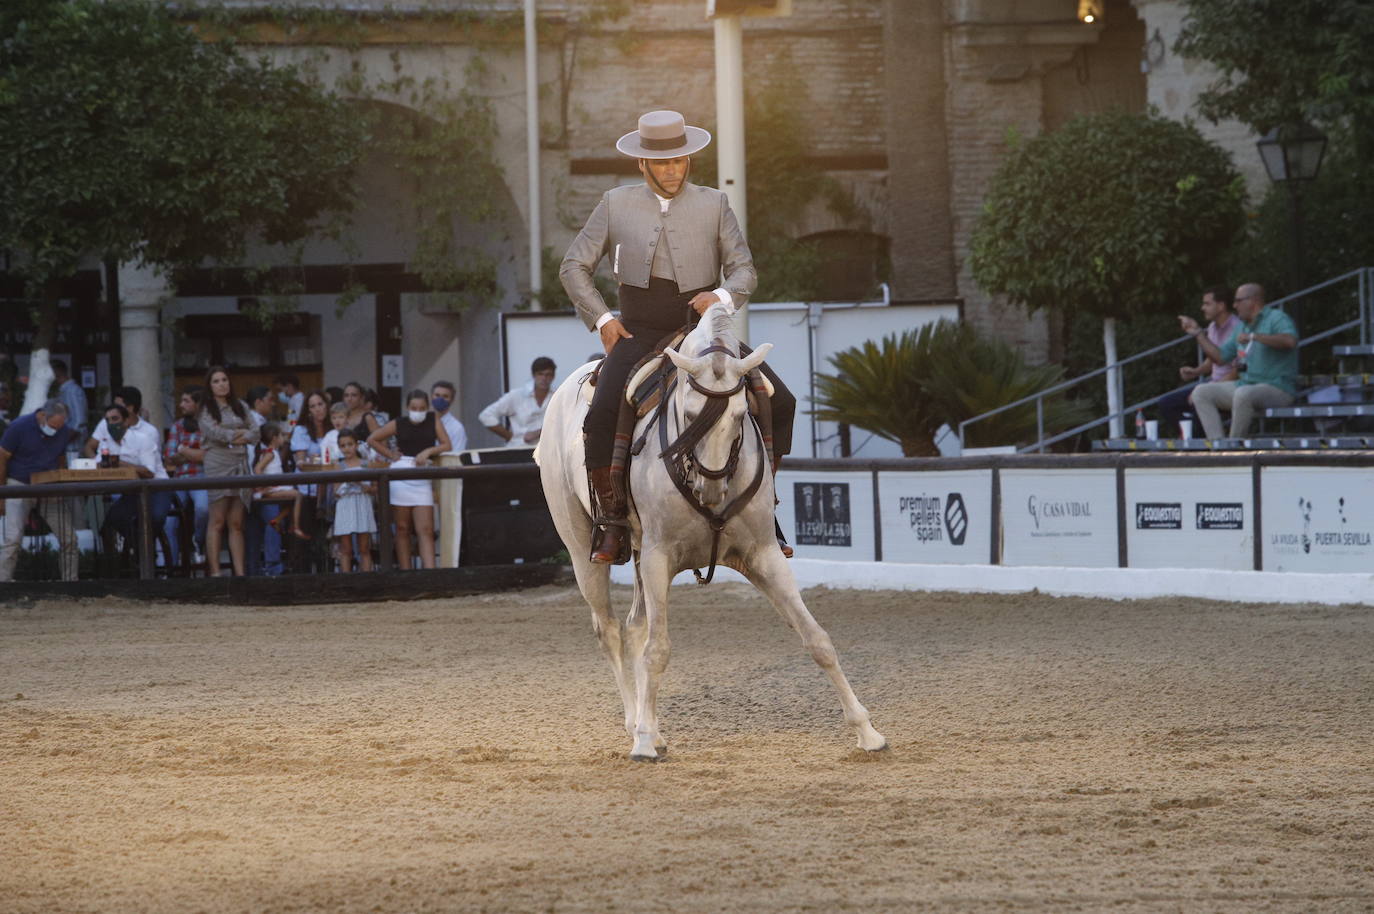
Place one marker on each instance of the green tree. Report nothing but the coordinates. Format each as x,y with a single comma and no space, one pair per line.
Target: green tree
1281,63
1112,215
908,385
124,136
1284,61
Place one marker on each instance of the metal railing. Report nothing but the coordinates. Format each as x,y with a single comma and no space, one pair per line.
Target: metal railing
1364,277
142,489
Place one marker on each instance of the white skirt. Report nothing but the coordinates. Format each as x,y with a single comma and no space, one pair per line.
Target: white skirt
410,493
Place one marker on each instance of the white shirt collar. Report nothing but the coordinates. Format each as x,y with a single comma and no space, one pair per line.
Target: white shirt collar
663,202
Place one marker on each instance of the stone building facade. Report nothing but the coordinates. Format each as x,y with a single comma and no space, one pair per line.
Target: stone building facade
910,104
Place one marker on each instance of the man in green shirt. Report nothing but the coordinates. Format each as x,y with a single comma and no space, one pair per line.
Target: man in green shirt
1266,353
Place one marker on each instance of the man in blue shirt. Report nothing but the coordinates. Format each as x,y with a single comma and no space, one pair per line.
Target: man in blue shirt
1266,355
33,444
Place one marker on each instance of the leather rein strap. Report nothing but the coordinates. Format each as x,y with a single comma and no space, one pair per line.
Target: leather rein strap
677,454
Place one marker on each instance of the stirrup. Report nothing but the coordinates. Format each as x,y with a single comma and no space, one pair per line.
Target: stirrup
599,534
782,540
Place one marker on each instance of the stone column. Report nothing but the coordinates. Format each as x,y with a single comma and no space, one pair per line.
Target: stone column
919,219
141,293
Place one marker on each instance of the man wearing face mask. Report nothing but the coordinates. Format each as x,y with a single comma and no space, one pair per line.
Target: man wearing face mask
143,453
441,400
32,444
129,399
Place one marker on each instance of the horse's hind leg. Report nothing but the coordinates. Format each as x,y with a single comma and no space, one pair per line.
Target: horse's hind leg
771,575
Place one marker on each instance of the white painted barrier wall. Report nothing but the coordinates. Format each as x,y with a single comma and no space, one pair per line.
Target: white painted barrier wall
1166,528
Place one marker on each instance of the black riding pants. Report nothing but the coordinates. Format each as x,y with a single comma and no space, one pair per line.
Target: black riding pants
599,426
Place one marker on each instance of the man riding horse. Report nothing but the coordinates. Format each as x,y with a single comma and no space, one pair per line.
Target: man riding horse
670,242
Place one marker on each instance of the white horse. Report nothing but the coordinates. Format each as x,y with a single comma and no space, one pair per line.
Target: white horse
726,472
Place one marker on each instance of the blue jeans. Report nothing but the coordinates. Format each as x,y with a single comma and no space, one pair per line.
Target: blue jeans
1173,407
123,514
200,500
262,540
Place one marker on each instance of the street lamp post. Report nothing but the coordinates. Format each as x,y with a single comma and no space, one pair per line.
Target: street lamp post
1292,155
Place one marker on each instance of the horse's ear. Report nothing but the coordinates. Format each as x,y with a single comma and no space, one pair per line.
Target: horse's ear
686,362
755,359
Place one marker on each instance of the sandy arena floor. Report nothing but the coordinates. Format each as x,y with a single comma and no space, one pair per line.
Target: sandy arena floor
1047,754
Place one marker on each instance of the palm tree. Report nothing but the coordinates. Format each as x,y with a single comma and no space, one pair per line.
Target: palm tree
908,385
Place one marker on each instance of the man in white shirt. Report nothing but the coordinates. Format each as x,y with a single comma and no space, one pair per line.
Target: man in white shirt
139,445
130,399
523,407
441,396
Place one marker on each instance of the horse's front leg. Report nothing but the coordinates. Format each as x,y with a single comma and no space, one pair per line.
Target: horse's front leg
768,571
651,657
595,583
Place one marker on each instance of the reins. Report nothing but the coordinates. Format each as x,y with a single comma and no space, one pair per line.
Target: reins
680,453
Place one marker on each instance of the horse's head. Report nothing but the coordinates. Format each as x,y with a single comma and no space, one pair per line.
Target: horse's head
714,391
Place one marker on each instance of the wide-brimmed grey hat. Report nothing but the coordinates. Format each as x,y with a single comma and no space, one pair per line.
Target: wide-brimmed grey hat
663,135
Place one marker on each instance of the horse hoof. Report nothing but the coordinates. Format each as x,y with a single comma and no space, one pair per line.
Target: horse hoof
883,748
643,758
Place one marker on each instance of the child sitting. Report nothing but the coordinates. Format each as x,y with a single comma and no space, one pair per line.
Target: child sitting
268,464
353,511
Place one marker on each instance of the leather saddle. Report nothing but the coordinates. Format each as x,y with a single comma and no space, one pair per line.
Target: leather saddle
649,381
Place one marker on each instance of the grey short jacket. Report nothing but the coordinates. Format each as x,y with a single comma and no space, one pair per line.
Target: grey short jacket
626,225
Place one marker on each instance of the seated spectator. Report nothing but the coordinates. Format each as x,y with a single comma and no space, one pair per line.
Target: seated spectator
143,452
131,398
1266,355
1222,325
185,458
33,444
441,395
269,464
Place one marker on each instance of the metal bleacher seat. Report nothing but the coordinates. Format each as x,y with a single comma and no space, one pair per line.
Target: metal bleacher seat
1256,443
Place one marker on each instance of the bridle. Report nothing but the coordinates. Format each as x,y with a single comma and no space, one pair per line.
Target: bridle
679,456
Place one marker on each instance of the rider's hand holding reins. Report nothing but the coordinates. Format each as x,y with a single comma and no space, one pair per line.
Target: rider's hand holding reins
612,332
703,300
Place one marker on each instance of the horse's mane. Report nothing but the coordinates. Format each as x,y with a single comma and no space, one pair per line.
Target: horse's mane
717,323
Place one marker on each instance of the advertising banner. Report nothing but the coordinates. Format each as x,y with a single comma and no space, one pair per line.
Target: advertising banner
827,515
937,516
1190,517
1317,519
1059,517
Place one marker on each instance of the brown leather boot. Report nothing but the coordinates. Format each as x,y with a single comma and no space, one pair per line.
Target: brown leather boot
611,517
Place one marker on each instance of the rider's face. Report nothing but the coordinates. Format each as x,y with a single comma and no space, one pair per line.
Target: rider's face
670,173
